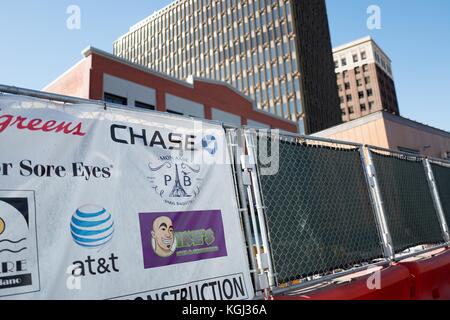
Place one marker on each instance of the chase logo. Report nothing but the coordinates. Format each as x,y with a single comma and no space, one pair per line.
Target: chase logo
209,143
92,226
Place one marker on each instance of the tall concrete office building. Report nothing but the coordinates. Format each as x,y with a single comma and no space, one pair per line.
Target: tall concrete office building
278,52
365,80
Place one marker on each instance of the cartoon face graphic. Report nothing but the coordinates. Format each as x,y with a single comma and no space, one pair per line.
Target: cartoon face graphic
163,238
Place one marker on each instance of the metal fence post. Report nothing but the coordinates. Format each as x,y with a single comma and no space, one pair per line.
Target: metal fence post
235,138
377,202
436,199
265,258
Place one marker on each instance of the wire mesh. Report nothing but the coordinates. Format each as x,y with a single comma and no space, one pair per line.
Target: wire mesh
407,199
318,210
442,177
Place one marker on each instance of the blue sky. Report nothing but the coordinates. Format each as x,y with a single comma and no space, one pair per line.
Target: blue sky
36,46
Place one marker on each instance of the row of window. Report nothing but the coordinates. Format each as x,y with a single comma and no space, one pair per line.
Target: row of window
357,70
112,98
359,83
249,44
195,41
355,58
361,96
383,63
362,107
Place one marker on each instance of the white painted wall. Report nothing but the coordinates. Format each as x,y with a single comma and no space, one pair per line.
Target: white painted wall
225,117
130,90
184,106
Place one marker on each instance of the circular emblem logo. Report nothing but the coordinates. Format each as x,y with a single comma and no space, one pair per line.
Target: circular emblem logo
91,226
209,143
2,226
175,180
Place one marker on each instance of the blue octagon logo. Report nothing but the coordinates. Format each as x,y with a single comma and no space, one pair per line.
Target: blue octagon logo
209,143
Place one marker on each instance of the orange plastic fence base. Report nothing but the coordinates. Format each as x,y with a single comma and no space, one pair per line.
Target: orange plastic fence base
427,279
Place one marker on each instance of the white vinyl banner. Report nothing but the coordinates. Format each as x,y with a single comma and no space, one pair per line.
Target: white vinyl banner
116,204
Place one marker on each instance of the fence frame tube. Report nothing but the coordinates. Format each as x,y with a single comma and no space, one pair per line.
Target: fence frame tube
53,97
399,256
436,199
260,208
378,203
328,278
321,139
441,162
235,147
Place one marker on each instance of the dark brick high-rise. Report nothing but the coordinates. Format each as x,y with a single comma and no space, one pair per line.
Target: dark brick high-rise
318,81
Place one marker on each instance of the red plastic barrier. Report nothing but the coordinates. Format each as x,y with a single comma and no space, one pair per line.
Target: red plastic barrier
431,277
396,284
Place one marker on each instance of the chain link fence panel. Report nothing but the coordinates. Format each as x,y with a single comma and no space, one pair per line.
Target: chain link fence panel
407,199
318,209
442,178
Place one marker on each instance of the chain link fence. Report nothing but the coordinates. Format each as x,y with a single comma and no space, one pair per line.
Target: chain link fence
407,200
441,173
318,209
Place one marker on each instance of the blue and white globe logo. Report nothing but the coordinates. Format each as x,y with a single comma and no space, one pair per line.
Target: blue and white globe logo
91,226
209,143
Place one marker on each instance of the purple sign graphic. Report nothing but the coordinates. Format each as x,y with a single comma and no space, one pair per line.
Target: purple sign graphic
170,238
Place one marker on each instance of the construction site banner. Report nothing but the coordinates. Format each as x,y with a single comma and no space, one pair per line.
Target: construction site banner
105,203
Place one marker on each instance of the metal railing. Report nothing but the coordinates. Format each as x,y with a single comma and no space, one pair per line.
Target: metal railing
408,196
316,209
323,208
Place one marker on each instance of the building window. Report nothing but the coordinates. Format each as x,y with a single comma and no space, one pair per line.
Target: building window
369,92
357,70
363,107
341,99
345,74
351,110
358,82
142,105
365,67
371,105
367,80
347,85
344,62
349,97
408,150
340,87
361,95
343,112
355,58
336,64
363,55
174,112
112,98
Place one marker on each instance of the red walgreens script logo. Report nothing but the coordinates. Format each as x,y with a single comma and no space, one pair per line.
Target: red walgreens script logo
22,123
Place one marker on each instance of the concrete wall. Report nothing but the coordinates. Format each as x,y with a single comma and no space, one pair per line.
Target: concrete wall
387,131
74,82
427,142
373,133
